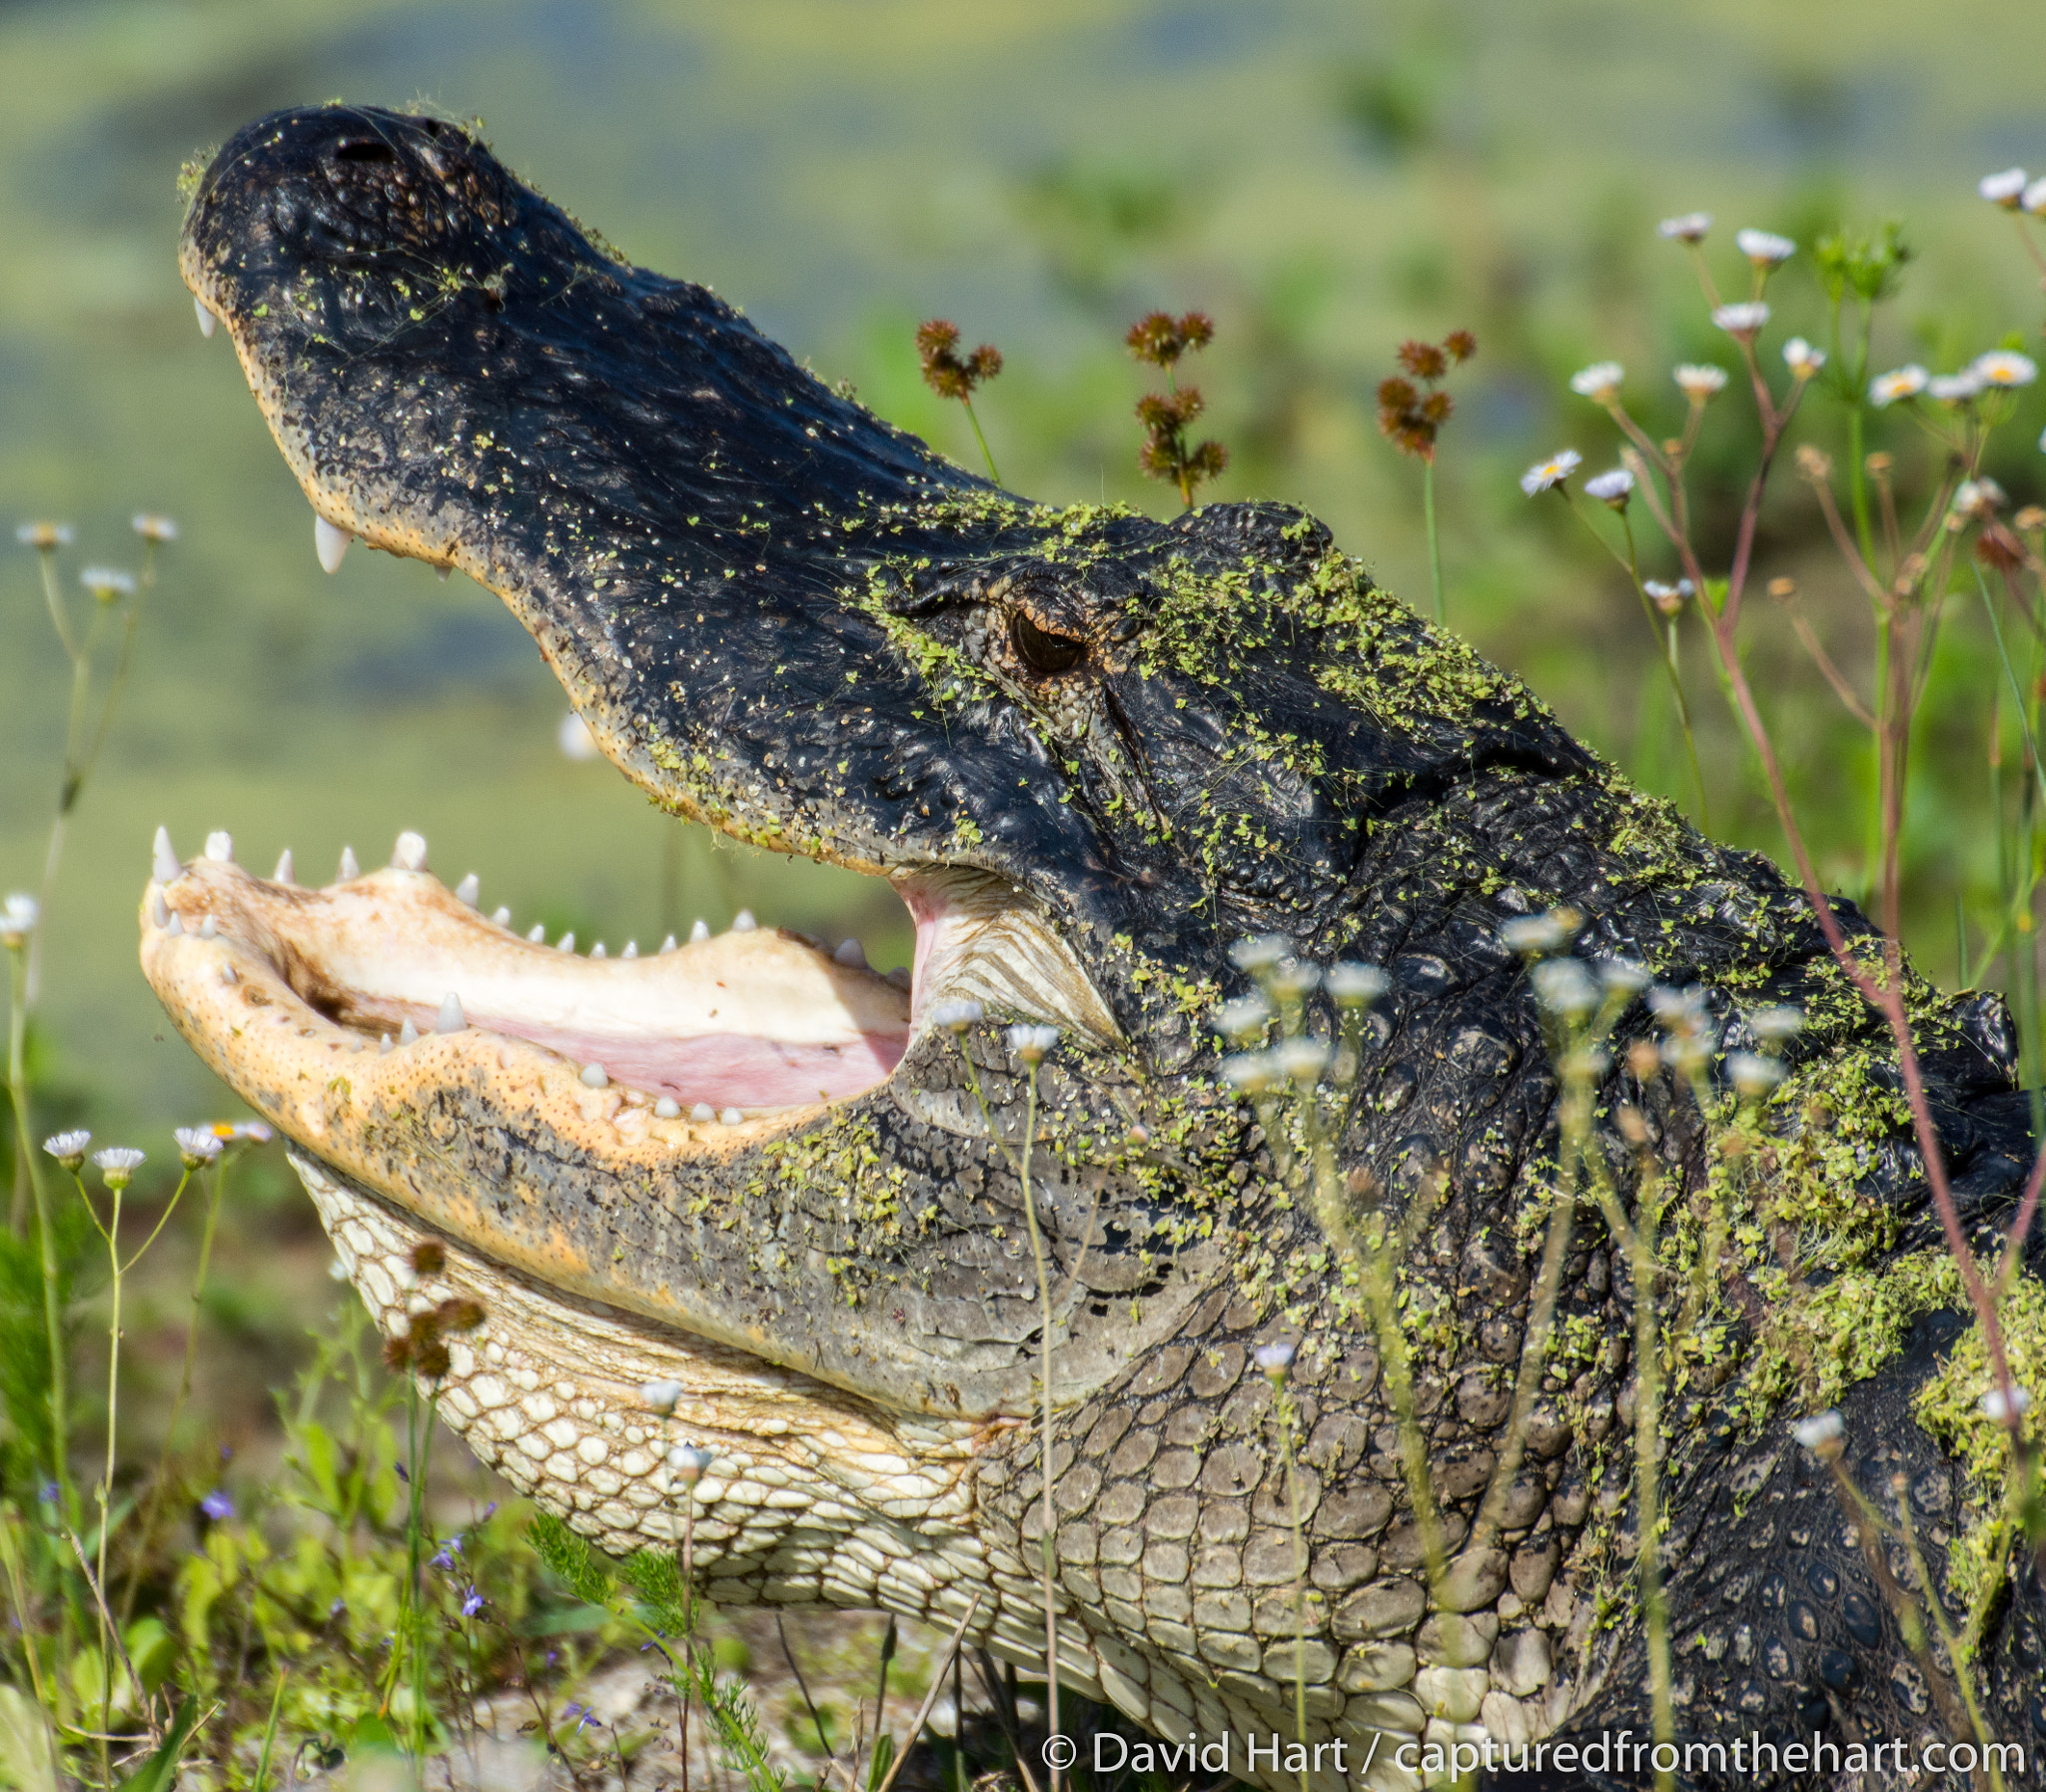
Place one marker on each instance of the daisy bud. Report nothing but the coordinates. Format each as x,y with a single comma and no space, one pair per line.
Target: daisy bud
1243,1019
1667,598
1802,359
69,1147
1612,487
1357,986
661,1396
44,536
1997,1407
1302,1058
1262,953
1689,227
1699,380
1820,1431
118,1164
1752,1074
1954,389
1030,1043
153,528
198,1145
956,1017
1744,320
1255,1073
1764,247
1901,383
18,918
1563,986
688,1461
1273,1360
1599,381
2006,188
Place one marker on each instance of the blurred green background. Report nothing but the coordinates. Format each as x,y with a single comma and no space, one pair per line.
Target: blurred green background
1324,179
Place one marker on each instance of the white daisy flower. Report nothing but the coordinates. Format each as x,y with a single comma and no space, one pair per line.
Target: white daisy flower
1261,953
1764,247
1563,986
1030,1043
1274,1359
1900,383
1689,227
107,581
1745,319
1699,380
118,1164
2034,199
956,1017
1954,389
2000,1409
1244,1017
198,1145
1802,359
68,1147
1774,1023
1819,1429
1666,598
152,528
1544,476
1753,1073
18,918
1611,488
1356,985
1252,1072
1599,381
2004,367
1978,497
2006,188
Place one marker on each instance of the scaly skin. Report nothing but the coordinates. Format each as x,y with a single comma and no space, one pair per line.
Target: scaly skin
1130,744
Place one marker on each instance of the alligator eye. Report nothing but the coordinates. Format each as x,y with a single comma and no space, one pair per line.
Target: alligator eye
1042,651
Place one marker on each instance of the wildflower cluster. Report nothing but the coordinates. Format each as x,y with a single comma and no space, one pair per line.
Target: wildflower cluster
422,1347
953,376
1161,340
1410,415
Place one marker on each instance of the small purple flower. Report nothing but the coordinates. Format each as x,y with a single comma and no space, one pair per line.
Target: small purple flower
583,1716
217,1505
444,1557
47,1492
472,1603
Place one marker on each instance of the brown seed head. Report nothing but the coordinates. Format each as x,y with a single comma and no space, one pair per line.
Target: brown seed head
397,1354
1782,589
460,1313
1814,464
433,1360
429,1258
1423,360
1462,345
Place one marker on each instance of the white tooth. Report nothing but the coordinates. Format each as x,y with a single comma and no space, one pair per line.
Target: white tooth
743,921
283,873
539,937
226,975
668,944
703,1113
350,870
597,951
174,925
699,933
731,1116
166,869
384,1045
631,949
220,847
410,854
853,955
665,1109
594,1076
469,890
441,572
207,930
567,943
208,322
451,1019
328,542
901,976
501,917
408,1033
160,910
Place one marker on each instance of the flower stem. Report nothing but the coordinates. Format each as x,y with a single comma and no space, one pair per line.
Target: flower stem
1434,541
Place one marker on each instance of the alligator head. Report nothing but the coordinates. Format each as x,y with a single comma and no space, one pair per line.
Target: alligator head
1091,751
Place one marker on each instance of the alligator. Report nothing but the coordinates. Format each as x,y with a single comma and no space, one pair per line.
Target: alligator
1093,752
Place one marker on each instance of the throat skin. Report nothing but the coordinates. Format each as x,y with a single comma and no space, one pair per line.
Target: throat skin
1093,752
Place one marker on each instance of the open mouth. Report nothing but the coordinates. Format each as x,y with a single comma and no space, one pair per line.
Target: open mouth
279,982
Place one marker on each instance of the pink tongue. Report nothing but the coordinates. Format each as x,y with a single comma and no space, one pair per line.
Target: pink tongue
734,1070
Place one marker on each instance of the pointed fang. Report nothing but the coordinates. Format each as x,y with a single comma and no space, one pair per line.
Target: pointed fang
469,890
166,869
220,847
594,1076
743,922
699,933
283,873
853,956
208,322
597,951
330,544
410,854
451,1018
631,949
175,925
207,930
408,1033
668,944
666,1109
538,936
567,943
501,917
350,870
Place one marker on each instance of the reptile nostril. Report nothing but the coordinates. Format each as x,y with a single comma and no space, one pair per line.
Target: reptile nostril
365,149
